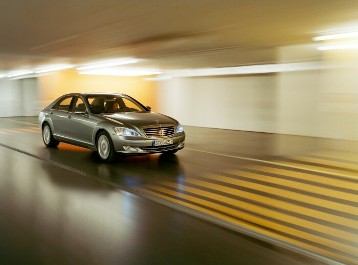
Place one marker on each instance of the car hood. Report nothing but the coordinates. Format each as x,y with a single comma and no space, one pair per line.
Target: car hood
139,119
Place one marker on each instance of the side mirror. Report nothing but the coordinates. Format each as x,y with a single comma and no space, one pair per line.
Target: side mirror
149,108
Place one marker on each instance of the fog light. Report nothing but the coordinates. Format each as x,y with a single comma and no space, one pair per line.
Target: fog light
181,145
132,149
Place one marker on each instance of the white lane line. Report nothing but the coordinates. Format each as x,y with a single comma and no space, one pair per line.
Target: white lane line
275,164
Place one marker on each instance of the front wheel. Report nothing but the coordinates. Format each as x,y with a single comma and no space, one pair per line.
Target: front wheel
105,149
47,136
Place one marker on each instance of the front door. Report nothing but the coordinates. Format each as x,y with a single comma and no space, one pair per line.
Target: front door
60,115
80,124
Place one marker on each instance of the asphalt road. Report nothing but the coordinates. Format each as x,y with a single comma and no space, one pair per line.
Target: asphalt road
63,206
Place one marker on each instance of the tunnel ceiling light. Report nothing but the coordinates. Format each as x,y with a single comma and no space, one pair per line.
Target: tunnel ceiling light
246,70
122,72
346,46
343,35
108,63
159,78
52,68
19,73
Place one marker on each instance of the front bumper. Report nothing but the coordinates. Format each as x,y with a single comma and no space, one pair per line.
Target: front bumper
137,146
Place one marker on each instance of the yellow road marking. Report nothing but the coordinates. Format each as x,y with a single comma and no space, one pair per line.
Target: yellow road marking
343,165
320,169
256,229
309,176
287,194
350,156
278,203
267,212
297,185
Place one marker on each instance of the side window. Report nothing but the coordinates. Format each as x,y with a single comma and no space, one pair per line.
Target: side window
79,105
64,104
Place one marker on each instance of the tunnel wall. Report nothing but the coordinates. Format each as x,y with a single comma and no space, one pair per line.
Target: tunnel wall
53,85
19,97
319,103
238,103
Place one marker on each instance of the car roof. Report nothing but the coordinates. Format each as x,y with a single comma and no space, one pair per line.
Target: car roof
93,93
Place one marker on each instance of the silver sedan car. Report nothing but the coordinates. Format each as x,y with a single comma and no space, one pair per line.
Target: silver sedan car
109,124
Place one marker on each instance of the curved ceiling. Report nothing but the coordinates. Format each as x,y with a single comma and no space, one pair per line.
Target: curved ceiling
170,34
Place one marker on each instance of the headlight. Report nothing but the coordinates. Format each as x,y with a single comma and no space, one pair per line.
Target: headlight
122,131
179,129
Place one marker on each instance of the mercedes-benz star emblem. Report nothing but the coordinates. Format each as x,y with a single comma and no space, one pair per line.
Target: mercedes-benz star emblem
161,132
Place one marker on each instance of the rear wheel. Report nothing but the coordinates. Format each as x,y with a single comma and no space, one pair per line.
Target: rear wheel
105,149
47,136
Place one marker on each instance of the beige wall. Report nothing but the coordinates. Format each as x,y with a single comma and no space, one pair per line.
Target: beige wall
54,85
228,102
323,102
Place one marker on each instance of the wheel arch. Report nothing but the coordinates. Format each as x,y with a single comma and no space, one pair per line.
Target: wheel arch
95,135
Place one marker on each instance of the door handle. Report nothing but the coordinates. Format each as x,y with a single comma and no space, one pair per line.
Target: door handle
69,116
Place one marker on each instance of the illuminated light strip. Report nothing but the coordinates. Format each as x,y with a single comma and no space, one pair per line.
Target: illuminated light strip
246,70
336,36
52,68
158,78
19,73
122,72
347,46
108,63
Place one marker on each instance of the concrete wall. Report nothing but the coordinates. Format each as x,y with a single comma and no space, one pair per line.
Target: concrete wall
320,103
56,84
239,103
19,97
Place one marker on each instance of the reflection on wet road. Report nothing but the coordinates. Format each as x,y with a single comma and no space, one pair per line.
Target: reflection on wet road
306,200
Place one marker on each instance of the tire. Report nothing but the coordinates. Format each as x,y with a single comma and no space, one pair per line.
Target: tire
47,136
105,149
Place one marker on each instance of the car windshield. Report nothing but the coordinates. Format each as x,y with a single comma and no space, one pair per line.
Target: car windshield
113,104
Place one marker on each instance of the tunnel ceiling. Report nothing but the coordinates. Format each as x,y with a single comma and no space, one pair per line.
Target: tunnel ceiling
169,34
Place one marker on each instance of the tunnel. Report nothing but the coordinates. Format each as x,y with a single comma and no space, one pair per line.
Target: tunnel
178,132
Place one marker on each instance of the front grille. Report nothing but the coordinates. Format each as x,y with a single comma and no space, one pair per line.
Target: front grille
159,131
160,148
